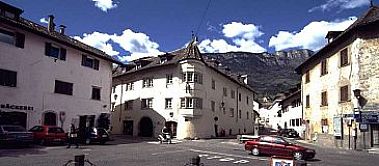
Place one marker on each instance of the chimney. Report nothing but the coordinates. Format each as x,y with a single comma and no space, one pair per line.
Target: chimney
244,78
61,29
331,35
51,25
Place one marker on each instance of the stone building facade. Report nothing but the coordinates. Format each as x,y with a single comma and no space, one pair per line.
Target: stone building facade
340,87
190,95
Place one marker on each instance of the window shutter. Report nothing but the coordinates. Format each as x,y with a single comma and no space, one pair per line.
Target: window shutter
96,64
47,49
20,40
62,54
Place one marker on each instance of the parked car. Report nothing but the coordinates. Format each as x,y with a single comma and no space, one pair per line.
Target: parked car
290,133
267,131
93,134
15,135
274,145
49,135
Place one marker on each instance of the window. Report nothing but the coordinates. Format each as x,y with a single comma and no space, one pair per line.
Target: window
239,113
13,38
307,79
247,115
232,94
90,62
225,91
191,76
168,78
344,58
297,122
128,105
147,103
113,89
213,104
129,86
168,103
344,93
55,51
247,100
307,101
324,98
8,78
324,67
231,112
63,87
239,97
191,102
96,93
213,84
147,82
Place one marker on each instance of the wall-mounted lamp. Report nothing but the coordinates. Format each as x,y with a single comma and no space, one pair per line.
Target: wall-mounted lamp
357,93
115,97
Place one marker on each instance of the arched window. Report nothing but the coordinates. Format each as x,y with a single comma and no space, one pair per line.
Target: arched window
50,118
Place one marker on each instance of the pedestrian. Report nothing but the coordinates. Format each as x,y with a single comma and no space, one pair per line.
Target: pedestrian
72,137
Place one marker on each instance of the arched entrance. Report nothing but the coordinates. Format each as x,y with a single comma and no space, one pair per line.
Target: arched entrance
50,119
171,125
145,127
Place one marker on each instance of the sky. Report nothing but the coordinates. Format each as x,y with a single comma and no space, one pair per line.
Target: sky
131,29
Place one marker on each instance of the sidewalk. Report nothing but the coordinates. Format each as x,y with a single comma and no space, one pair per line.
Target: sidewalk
309,142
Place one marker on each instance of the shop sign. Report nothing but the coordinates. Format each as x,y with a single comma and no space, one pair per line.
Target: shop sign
371,117
16,107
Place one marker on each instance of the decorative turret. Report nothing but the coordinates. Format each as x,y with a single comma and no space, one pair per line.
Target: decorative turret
192,51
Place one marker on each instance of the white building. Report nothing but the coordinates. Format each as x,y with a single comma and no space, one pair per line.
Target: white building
192,97
269,116
47,77
291,114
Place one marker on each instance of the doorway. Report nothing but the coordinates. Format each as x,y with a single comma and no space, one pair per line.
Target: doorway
171,125
375,135
50,119
128,127
145,127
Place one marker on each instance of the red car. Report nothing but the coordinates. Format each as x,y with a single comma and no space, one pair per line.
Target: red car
49,134
273,145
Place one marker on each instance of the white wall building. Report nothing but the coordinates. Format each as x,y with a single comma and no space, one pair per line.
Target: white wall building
269,116
291,113
47,77
192,97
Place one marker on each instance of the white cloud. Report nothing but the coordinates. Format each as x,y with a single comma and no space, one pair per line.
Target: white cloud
243,38
105,5
312,36
341,4
138,44
43,20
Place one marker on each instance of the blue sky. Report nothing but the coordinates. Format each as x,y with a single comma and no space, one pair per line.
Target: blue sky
130,29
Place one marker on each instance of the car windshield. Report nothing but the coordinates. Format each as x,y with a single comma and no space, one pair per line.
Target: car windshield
13,128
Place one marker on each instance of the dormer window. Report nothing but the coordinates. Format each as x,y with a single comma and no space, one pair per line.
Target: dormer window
163,60
138,65
9,11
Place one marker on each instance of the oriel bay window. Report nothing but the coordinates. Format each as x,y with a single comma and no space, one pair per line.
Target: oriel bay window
90,62
191,76
191,102
55,51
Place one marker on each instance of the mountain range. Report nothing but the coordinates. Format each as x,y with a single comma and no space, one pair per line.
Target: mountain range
268,73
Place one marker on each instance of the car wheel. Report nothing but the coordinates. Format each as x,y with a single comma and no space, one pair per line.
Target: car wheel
255,151
88,141
298,155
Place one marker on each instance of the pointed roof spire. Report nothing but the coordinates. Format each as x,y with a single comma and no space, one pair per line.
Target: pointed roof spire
192,51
